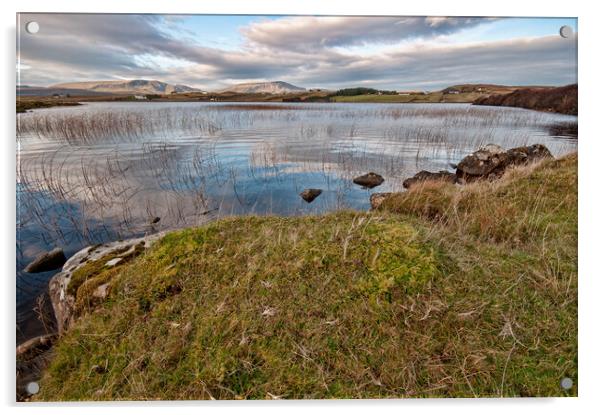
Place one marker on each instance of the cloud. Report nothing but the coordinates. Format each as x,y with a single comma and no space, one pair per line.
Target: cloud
314,33
310,51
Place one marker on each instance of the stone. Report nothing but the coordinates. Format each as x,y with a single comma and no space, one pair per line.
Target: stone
377,199
154,220
102,291
482,162
424,175
47,261
309,195
113,262
369,180
491,161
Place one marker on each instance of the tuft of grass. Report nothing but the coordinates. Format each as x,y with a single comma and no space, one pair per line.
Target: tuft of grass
426,298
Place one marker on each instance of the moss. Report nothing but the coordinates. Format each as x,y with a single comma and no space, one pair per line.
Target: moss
392,303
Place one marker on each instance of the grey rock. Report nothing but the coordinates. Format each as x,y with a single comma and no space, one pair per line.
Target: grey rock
491,161
63,303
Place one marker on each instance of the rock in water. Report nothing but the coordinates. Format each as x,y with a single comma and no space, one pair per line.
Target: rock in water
424,175
47,261
369,180
309,195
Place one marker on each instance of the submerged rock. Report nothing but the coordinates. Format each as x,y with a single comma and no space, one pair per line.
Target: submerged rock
369,180
309,195
47,261
424,175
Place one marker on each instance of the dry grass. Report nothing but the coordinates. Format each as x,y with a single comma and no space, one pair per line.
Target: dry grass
448,292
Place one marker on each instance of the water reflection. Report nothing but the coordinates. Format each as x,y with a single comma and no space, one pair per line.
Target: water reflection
102,171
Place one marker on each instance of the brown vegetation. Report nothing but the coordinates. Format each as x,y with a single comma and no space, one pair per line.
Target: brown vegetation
562,100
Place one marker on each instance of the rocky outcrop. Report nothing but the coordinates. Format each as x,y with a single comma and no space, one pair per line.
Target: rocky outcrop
424,176
491,161
63,302
369,180
47,261
309,195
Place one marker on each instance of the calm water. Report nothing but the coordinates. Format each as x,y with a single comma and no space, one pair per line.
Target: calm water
102,171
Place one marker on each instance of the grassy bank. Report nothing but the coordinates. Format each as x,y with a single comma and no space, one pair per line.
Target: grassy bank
445,291
433,97
29,104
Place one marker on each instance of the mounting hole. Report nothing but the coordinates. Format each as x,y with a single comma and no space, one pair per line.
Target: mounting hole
566,31
32,28
566,383
32,388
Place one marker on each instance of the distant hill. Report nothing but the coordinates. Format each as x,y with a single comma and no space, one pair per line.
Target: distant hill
136,86
562,99
276,87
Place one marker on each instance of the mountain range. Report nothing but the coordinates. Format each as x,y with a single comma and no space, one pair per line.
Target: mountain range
275,87
136,86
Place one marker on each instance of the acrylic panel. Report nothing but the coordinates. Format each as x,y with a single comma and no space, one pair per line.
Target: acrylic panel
295,207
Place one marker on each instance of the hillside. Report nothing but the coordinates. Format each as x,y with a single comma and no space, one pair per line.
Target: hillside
277,87
445,291
138,86
562,99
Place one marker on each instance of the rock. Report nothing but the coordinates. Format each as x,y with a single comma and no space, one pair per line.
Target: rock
113,262
63,303
154,220
482,162
491,161
528,154
369,180
102,291
309,195
424,175
377,199
47,261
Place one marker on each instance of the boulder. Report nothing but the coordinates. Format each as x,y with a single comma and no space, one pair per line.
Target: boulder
527,154
154,220
377,199
424,175
63,302
309,195
47,261
369,180
482,162
491,161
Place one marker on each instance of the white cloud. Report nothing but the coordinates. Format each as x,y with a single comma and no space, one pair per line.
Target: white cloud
330,52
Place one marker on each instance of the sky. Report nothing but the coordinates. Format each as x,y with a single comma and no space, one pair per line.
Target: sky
211,52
